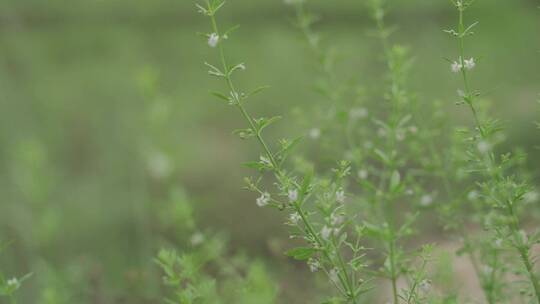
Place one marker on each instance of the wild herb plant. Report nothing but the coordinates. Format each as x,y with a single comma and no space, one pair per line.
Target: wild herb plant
502,190
205,271
393,186
392,178
324,231
10,286
333,116
203,275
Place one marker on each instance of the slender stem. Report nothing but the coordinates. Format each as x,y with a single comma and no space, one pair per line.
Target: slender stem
461,230
343,273
523,251
525,258
514,226
387,212
393,271
321,245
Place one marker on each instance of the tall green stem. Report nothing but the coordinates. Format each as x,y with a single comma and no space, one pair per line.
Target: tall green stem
393,271
343,274
514,226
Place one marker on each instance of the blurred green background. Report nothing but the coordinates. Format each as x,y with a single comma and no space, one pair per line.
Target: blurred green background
107,126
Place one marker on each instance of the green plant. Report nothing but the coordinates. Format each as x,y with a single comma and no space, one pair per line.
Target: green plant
502,189
205,271
325,236
392,188
9,286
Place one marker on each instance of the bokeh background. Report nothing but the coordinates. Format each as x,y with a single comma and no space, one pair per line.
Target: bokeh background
108,133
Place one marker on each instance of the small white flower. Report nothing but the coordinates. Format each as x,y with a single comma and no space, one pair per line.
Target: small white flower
314,133
265,161
294,218
333,275
313,264
425,285
358,113
197,238
409,191
336,220
13,283
235,97
456,67
473,195
340,196
159,165
483,147
426,200
263,200
469,63
326,232
293,195
499,243
213,40
363,174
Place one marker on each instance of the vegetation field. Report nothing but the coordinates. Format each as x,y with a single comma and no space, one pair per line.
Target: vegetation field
297,151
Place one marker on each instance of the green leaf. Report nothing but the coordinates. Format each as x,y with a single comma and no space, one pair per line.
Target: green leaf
214,71
301,253
305,185
220,96
383,157
286,147
257,91
230,30
244,133
265,122
395,180
404,121
216,5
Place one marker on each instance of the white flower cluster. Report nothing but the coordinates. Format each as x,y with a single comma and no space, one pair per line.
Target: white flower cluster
426,200
213,40
459,65
327,232
294,218
13,283
358,113
363,174
292,195
313,265
425,285
263,200
340,196
197,238
314,133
